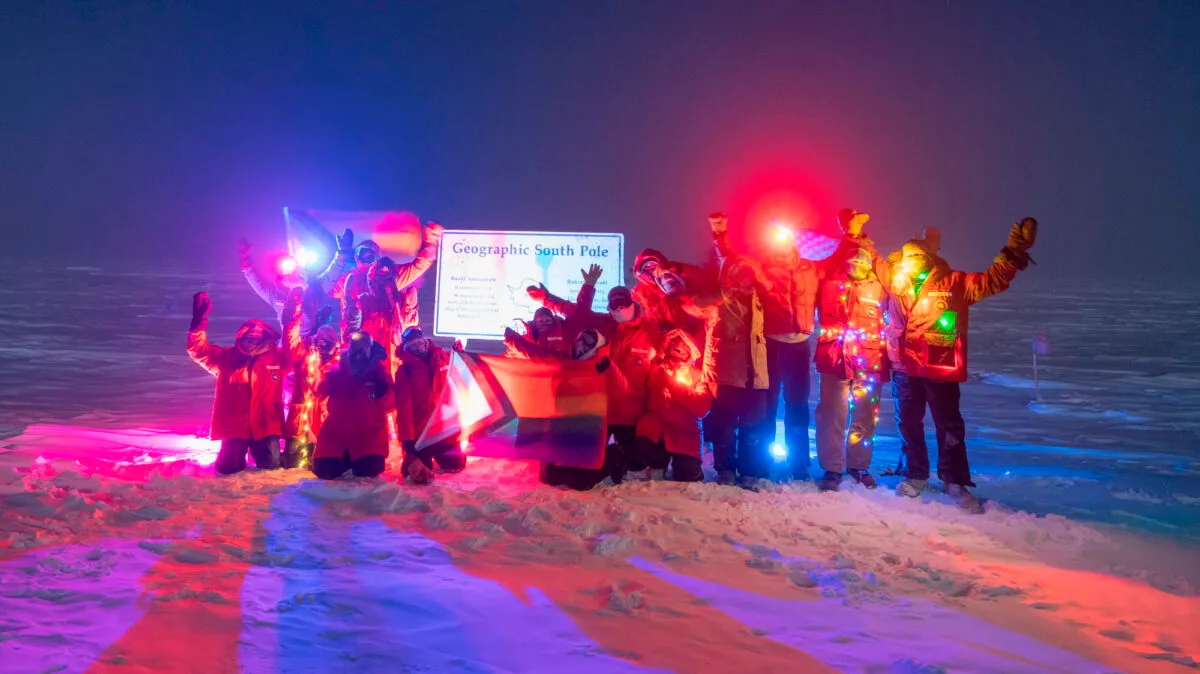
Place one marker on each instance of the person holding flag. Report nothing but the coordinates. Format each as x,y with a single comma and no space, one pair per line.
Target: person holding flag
677,398
420,379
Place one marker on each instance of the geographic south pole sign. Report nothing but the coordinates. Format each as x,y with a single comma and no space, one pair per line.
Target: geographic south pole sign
482,276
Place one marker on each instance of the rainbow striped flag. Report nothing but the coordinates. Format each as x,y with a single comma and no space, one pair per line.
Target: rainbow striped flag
509,408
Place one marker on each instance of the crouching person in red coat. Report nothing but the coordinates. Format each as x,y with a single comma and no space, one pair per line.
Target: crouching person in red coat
248,408
676,401
420,382
357,396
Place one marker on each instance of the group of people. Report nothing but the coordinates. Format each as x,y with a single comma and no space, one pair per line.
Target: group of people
691,355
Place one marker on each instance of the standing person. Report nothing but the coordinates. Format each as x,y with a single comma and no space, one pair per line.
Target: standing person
668,434
357,395
735,366
420,379
376,311
927,345
789,305
248,407
852,365
673,294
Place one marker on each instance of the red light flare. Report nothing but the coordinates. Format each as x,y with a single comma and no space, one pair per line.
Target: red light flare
780,195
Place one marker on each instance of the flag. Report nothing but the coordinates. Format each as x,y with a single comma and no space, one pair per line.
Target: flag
509,408
311,232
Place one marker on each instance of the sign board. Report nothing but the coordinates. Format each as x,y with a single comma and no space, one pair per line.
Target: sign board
1041,345
482,276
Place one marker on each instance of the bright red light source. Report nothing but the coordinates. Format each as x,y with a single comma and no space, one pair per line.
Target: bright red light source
287,266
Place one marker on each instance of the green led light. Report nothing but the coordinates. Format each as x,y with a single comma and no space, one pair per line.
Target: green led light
948,321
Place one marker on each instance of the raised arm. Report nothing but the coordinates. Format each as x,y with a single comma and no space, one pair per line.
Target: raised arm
528,348
268,289
1012,258
204,354
407,274
293,338
334,275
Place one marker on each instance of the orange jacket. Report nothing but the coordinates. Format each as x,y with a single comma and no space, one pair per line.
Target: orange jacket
419,385
927,331
852,340
249,394
578,315
790,290
548,344
355,421
676,401
632,352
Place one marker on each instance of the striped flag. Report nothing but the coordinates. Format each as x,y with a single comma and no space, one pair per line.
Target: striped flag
508,408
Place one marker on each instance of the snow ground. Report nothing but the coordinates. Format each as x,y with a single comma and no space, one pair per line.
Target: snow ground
120,550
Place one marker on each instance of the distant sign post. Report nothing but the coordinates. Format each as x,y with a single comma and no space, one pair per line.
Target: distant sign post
482,276
1041,346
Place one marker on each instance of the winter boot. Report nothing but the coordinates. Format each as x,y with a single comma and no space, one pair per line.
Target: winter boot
414,469
726,477
911,488
831,481
748,483
863,477
658,474
966,500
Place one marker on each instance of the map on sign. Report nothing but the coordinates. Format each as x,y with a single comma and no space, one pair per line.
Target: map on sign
482,276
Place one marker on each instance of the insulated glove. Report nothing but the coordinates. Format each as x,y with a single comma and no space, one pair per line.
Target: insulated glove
537,293
201,306
345,242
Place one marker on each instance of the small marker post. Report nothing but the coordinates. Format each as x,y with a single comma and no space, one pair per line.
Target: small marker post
1041,345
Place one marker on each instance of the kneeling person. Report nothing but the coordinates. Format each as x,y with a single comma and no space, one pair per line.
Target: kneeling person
676,401
357,396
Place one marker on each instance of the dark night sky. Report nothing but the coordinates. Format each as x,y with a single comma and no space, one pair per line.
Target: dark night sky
167,130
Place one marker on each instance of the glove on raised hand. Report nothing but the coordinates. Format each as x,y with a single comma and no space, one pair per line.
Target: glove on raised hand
201,306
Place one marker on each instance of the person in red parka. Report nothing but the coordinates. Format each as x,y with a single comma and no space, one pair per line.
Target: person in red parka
789,301
376,311
633,343
674,294
676,401
927,345
852,365
543,336
248,408
578,315
312,359
420,381
357,399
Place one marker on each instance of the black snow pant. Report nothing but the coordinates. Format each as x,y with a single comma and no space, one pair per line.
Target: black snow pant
626,438
684,468
735,426
232,457
911,394
297,453
367,466
788,368
616,458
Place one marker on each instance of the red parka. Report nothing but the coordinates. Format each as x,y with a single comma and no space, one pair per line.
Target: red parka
249,396
355,421
419,384
688,311
790,290
632,352
676,401
549,342
927,331
578,315
852,340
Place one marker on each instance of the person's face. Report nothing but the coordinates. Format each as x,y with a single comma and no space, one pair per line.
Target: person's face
418,347
542,322
914,262
858,268
584,343
649,268
325,347
366,257
670,283
678,352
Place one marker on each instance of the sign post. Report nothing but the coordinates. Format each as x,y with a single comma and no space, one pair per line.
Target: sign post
482,276
1041,345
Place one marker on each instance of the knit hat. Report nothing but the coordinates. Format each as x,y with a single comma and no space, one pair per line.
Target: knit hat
619,296
411,334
